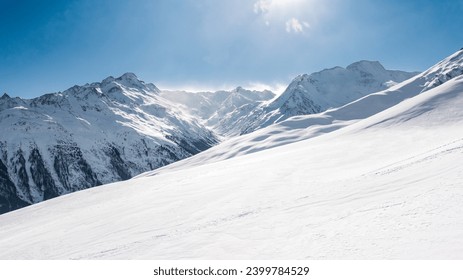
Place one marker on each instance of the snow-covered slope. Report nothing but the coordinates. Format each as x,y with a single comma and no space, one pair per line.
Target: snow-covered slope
90,135
303,127
330,88
386,186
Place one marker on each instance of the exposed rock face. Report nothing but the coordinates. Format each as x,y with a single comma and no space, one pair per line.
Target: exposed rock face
9,199
41,176
73,171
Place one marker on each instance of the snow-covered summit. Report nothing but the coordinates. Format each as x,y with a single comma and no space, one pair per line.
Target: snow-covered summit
329,88
128,79
132,81
125,81
337,86
366,66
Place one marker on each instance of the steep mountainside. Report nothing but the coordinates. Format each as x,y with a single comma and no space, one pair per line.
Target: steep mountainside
90,135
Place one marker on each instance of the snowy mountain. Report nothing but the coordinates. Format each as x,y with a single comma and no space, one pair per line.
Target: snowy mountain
330,88
303,127
222,111
377,178
240,111
90,135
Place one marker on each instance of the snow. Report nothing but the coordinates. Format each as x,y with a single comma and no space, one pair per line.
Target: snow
20,108
376,179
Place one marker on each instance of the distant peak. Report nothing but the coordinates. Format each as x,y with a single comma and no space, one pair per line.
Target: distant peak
5,96
108,80
366,65
126,77
239,88
299,78
129,80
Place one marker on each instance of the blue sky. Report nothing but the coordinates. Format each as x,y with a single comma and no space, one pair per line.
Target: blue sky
51,45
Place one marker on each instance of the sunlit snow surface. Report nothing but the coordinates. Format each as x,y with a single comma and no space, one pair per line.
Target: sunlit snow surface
385,186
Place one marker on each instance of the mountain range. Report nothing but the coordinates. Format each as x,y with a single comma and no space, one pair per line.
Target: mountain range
118,128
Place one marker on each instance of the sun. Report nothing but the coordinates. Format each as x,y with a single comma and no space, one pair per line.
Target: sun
279,6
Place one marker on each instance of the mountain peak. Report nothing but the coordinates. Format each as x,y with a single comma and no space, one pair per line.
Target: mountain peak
108,80
366,65
5,96
239,88
129,76
128,79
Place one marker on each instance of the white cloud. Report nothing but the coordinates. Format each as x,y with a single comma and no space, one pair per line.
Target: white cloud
262,6
294,25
